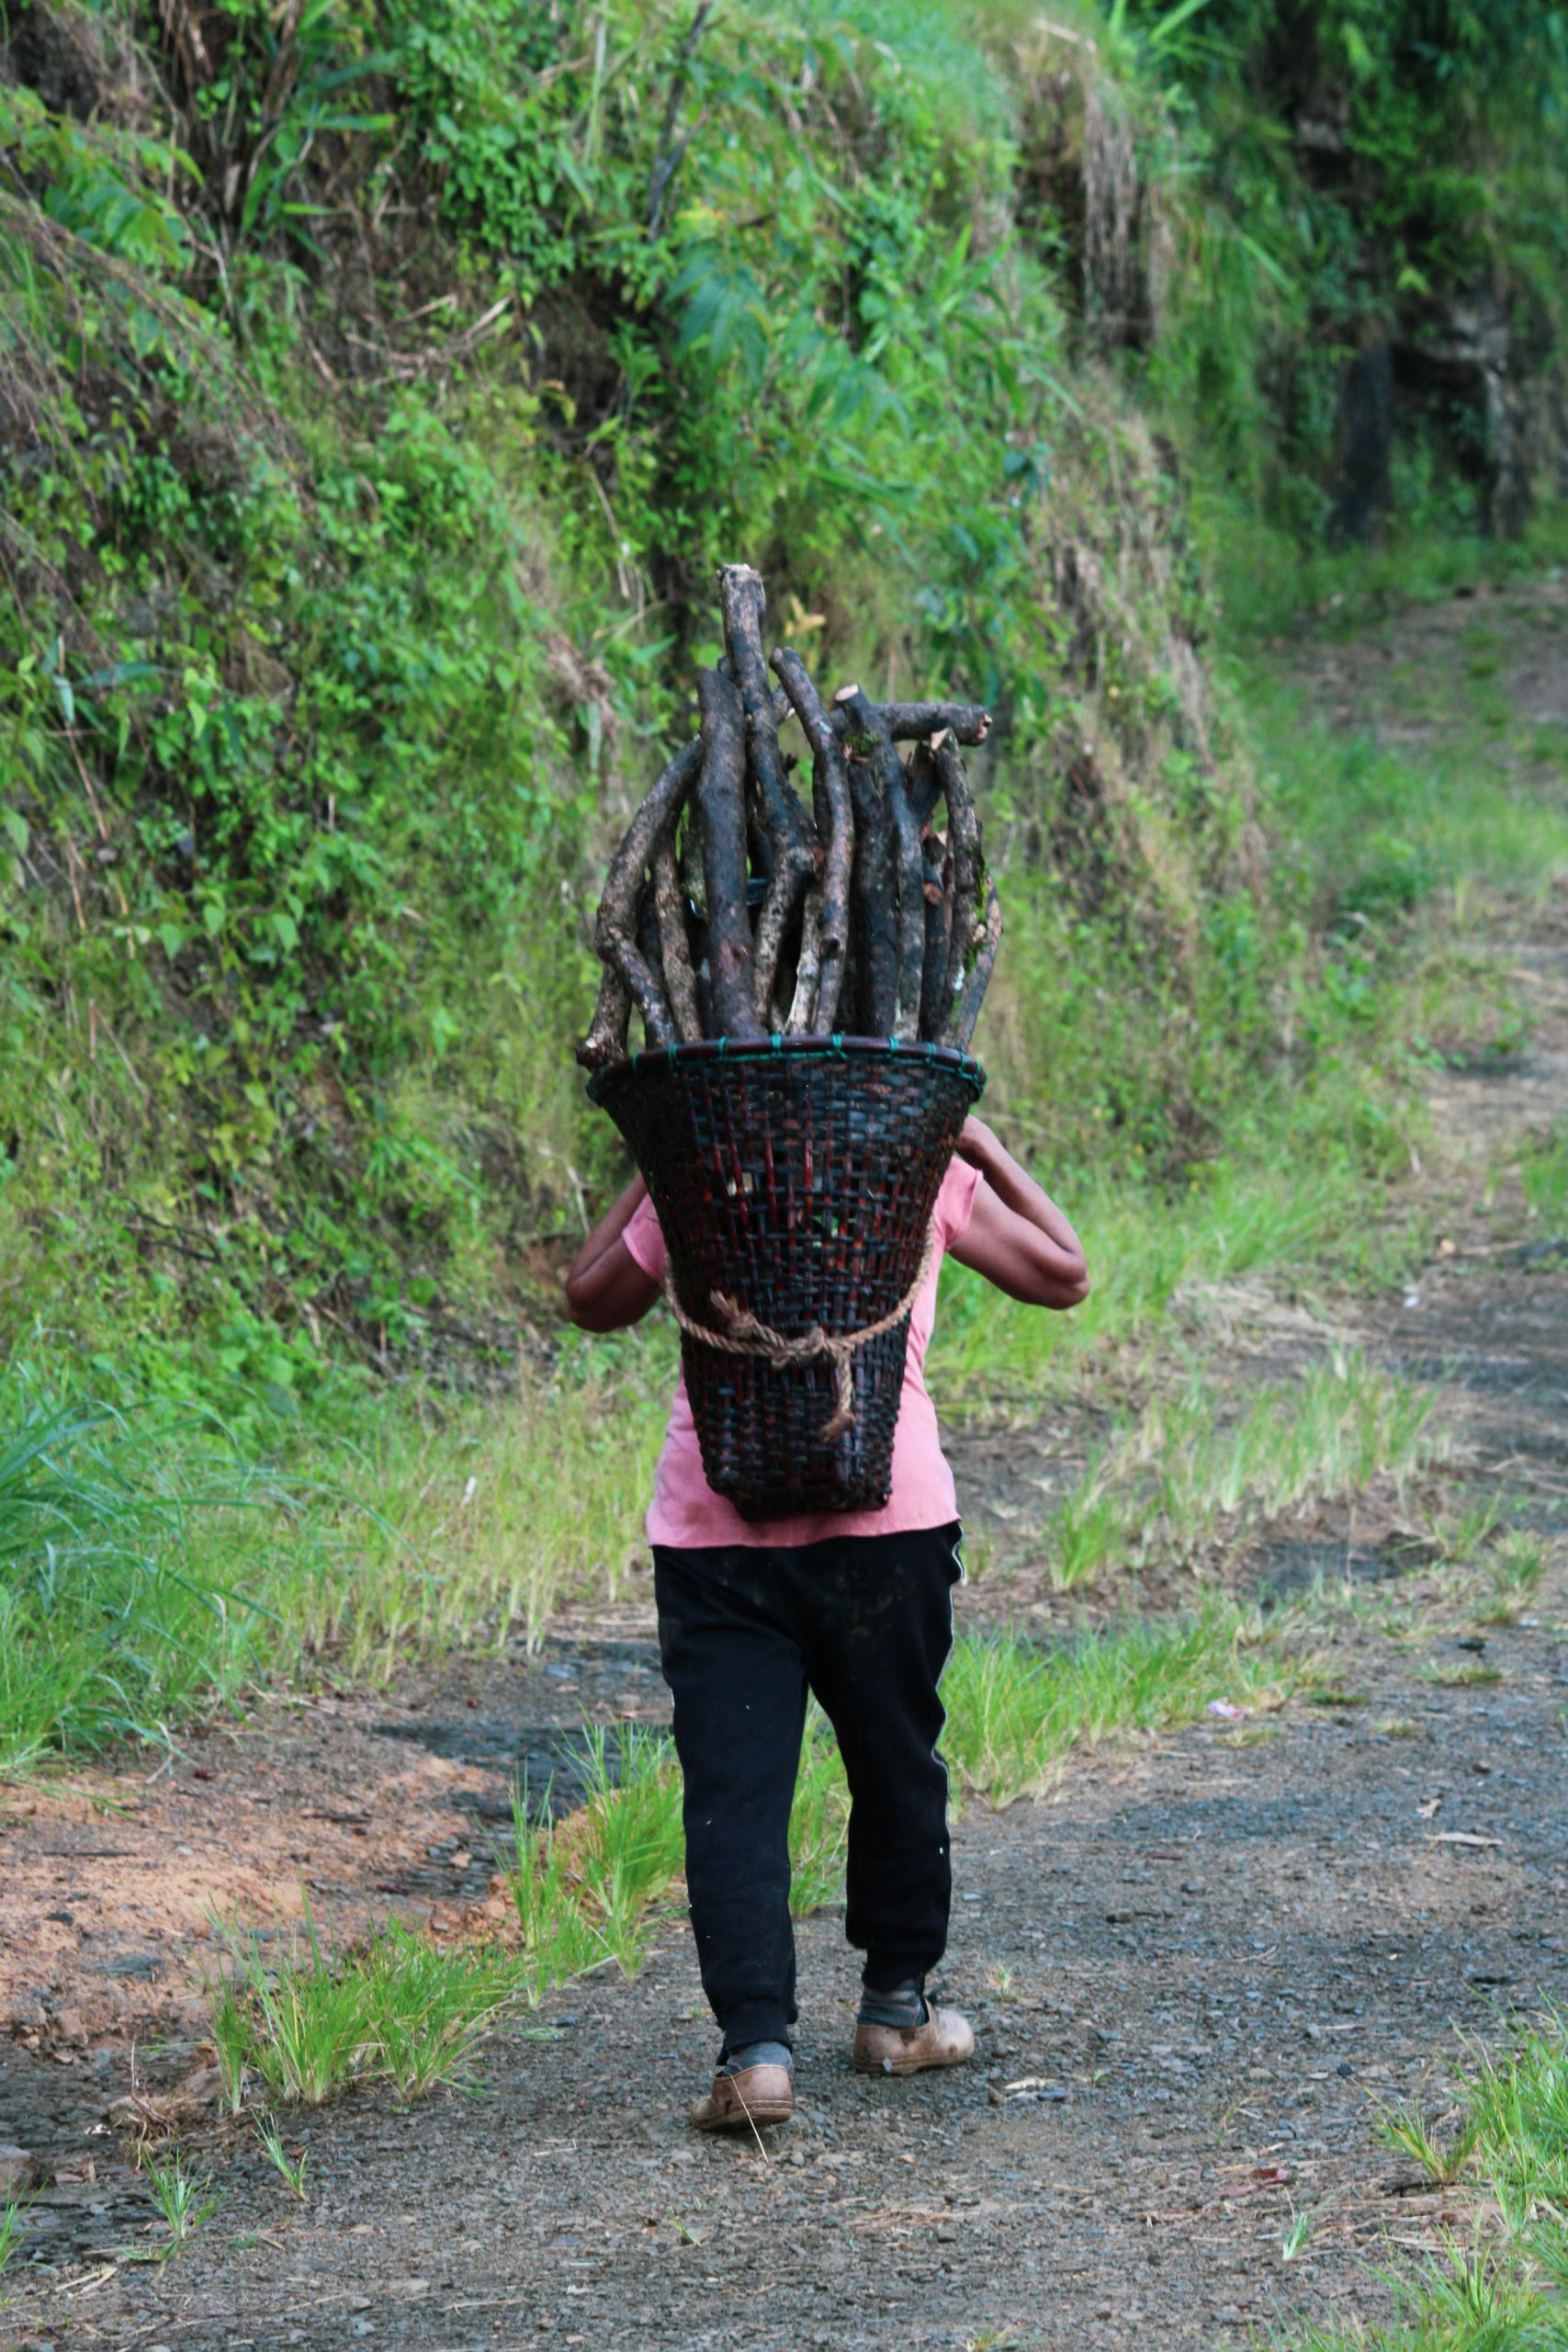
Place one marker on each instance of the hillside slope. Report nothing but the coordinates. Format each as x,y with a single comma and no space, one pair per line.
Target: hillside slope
381,386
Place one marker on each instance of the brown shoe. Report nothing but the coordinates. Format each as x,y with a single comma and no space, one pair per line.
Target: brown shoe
945,2040
752,2099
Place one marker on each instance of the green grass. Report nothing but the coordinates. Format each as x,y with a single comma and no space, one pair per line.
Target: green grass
12,2214
559,1939
1286,1214
627,1846
1191,1471
818,1821
1409,2132
1543,1172
149,1573
1511,1575
1507,2289
1016,1712
301,2024
133,1567
1269,580
184,2201
467,1530
1443,815
289,2169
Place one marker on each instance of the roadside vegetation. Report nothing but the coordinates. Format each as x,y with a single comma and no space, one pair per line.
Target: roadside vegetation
1505,2282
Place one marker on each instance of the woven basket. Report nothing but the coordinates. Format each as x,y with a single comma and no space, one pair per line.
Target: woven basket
796,1177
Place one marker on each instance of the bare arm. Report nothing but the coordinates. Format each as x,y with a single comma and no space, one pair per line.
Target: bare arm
607,1288
1017,1236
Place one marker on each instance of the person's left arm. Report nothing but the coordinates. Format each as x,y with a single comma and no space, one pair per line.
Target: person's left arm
1016,1236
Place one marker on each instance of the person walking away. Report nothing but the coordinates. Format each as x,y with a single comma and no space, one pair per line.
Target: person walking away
854,1607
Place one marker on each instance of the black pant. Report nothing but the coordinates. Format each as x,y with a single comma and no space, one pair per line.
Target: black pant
744,1632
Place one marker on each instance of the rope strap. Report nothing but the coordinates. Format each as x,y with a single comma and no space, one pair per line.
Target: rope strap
743,1335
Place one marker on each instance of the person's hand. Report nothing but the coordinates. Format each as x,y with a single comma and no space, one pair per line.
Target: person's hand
977,1145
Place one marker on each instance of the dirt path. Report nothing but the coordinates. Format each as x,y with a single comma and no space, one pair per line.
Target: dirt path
1206,1967
1196,1975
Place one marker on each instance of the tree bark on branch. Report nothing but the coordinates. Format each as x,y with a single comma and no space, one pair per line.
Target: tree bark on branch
830,782
615,931
721,809
963,840
783,820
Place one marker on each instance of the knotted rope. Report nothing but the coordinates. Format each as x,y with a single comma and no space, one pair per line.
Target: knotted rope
744,1336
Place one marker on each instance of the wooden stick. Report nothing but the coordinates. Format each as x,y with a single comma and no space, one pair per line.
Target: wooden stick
906,721
874,908
870,741
648,947
674,946
924,783
989,938
789,831
615,929
836,827
607,1039
963,839
801,1018
934,995
721,804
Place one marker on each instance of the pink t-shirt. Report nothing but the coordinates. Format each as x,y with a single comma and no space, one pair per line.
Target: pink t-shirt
686,1512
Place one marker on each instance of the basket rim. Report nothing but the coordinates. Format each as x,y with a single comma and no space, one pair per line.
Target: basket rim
835,1047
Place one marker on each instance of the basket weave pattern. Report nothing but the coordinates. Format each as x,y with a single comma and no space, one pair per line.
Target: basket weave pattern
800,1181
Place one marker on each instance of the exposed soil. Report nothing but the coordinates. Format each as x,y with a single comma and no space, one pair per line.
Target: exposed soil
1196,1974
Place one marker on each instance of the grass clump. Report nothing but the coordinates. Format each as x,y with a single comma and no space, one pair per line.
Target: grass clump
149,1573
1511,1575
560,1939
463,1532
1543,1172
818,1821
1409,2132
582,1889
289,2169
1183,1474
184,2201
1507,2290
1015,1713
303,2025
132,1563
626,1844
11,2216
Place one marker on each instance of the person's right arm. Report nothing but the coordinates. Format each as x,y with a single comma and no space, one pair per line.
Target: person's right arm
606,1289
1016,1236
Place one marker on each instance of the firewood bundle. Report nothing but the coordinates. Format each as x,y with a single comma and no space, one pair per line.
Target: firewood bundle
731,909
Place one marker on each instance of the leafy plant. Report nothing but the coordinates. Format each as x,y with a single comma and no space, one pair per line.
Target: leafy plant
1407,2130
12,2214
184,2201
291,2170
